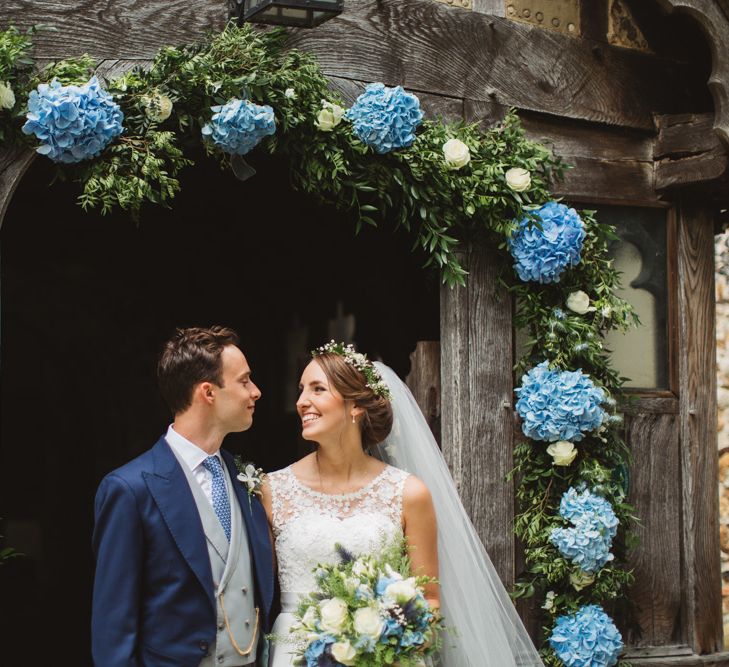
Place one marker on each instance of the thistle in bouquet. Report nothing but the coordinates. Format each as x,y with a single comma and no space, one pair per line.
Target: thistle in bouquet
368,611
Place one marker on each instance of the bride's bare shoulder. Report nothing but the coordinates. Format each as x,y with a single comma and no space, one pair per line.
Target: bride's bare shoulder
415,493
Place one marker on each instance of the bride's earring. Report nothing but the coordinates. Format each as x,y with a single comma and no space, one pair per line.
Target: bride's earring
353,419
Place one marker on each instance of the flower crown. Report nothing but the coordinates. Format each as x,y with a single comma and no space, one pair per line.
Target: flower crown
360,362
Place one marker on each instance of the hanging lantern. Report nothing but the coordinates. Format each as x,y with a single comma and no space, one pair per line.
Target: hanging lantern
295,13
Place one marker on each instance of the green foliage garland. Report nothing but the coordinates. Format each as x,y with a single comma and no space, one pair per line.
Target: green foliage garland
165,107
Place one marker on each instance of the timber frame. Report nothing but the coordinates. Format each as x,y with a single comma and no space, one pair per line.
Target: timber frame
597,105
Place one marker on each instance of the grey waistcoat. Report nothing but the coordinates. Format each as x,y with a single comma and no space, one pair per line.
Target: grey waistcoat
232,578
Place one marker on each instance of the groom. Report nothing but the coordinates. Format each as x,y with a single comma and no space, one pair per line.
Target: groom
184,566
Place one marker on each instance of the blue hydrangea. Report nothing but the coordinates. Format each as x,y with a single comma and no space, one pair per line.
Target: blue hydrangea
315,653
558,405
587,638
239,126
72,123
385,118
588,541
542,255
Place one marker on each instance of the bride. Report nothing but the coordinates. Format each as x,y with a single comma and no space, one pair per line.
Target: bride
343,494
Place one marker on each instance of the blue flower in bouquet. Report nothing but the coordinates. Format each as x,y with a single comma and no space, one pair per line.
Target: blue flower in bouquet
558,405
385,118
542,255
588,541
73,123
393,628
316,649
410,638
382,584
239,126
587,638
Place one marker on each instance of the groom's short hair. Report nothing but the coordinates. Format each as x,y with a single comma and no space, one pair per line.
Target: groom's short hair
190,357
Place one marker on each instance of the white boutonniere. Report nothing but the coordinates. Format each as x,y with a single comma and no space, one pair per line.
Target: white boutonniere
250,476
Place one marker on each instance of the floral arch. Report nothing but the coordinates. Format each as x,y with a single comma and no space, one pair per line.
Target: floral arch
442,183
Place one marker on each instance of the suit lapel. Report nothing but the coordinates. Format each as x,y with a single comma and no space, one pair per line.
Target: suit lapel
256,523
171,492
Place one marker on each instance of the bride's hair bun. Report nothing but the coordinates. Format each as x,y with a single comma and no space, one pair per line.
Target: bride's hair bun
376,422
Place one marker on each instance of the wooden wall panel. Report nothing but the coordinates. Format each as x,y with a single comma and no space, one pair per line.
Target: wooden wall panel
476,377
655,490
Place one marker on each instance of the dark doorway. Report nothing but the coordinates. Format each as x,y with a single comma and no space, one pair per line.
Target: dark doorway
87,302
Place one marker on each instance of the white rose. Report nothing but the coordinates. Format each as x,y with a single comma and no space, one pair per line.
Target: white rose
290,93
578,302
333,614
309,618
402,591
581,579
563,452
367,622
344,652
549,600
329,117
391,574
518,179
157,107
359,568
456,154
7,96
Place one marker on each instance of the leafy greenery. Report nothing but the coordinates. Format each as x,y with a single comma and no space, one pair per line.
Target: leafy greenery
413,189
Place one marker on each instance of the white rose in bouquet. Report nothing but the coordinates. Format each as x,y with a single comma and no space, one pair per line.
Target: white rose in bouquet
367,622
402,591
310,617
333,614
344,652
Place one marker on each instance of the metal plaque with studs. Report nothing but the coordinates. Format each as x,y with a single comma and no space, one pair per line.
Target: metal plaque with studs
463,4
559,15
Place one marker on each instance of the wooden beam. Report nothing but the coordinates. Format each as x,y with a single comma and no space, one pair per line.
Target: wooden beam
687,151
428,47
609,163
423,45
697,425
476,379
127,29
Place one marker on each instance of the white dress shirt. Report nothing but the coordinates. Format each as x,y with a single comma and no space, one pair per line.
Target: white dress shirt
193,456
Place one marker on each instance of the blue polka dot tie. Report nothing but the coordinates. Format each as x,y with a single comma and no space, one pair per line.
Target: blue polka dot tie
221,504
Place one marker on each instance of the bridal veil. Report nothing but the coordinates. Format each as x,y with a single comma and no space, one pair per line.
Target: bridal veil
486,629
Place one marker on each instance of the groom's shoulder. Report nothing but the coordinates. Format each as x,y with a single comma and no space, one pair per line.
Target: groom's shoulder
132,471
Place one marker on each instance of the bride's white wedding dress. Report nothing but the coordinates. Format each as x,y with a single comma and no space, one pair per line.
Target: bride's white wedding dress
306,527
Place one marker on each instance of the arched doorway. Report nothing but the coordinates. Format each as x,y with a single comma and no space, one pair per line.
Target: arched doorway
87,302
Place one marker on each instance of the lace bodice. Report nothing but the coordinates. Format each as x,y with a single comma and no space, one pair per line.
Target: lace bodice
307,524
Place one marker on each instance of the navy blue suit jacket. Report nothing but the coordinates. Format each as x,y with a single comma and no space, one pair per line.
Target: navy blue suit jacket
154,604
